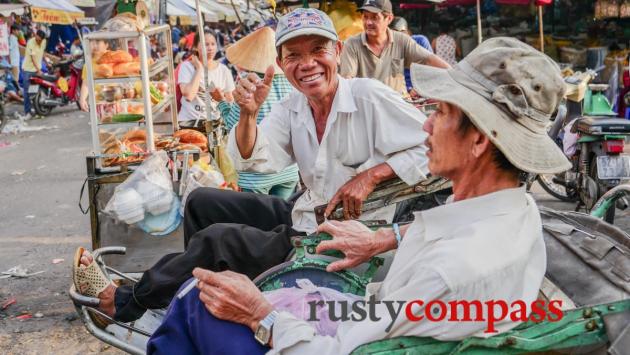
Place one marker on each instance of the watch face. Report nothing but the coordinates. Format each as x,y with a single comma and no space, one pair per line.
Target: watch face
262,335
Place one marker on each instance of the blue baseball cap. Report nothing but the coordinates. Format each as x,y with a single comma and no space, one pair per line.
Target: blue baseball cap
303,22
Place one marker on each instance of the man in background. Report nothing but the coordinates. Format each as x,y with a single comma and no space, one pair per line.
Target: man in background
32,65
381,53
399,24
14,51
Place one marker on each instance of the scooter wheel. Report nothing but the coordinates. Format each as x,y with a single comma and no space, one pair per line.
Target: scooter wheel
38,105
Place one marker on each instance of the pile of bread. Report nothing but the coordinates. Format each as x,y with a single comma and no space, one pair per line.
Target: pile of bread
117,63
135,141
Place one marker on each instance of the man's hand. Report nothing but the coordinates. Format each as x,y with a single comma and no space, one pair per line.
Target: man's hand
233,297
217,95
251,92
352,194
356,241
196,62
83,105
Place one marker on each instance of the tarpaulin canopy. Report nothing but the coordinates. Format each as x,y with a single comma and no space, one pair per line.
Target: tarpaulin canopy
179,8
7,9
84,3
208,14
224,12
58,12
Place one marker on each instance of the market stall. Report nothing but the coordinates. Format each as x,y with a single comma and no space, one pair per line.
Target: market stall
58,12
8,9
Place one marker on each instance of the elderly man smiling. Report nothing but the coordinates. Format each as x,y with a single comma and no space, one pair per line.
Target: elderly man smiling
346,136
485,244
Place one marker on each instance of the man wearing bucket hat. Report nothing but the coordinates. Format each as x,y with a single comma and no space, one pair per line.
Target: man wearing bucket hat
381,53
484,245
332,127
255,53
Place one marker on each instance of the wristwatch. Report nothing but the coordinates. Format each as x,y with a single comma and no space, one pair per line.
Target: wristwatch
263,332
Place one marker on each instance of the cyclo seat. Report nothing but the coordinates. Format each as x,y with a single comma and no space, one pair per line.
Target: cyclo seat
600,125
47,77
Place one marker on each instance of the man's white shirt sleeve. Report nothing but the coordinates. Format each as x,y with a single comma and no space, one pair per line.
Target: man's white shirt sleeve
272,150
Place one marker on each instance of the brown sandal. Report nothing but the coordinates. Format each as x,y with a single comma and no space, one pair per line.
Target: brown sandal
90,281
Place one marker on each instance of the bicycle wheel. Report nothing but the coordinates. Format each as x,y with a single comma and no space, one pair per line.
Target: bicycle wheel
559,191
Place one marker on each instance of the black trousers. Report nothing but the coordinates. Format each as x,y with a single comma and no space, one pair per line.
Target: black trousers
223,230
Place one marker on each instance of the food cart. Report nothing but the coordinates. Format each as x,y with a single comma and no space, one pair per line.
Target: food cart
132,115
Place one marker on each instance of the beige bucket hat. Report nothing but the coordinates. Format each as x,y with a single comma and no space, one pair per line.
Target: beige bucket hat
509,90
255,52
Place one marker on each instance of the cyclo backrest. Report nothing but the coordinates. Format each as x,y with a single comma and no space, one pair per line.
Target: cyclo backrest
587,258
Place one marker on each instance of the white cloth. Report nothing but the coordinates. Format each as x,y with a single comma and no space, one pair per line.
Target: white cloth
368,124
445,48
485,248
220,76
14,52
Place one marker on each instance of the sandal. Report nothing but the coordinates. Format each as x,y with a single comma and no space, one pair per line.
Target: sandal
90,281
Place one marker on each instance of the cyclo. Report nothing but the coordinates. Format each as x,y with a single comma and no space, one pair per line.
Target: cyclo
587,268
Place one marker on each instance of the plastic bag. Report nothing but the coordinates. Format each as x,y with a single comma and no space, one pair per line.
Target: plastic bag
225,163
201,175
570,139
147,192
295,300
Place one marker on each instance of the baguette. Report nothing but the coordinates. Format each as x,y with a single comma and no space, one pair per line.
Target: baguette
190,136
136,136
103,70
114,57
132,68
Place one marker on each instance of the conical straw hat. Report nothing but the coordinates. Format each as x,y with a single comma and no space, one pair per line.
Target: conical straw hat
255,52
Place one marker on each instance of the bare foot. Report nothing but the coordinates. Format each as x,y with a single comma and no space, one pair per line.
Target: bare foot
107,296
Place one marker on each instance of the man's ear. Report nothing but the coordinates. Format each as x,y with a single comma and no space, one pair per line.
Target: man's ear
279,62
338,49
389,18
480,144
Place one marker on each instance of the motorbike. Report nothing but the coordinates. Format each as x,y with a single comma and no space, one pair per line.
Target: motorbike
60,88
597,154
3,118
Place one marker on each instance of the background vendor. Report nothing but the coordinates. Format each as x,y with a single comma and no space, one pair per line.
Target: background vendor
255,53
192,84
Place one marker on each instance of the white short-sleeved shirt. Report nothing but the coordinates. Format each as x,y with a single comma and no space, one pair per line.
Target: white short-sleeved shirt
485,248
220,76
368,124
14,51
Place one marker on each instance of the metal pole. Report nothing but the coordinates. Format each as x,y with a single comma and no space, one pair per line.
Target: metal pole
162,11
204,57
479,38
540,29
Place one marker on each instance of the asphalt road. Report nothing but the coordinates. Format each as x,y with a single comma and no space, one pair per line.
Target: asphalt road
41,174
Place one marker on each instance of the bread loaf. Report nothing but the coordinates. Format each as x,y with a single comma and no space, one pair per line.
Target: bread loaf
114,57
191,136
124,69
103,70
135,136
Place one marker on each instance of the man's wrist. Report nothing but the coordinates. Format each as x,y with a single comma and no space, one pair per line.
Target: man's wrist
248,117
385,239
259,314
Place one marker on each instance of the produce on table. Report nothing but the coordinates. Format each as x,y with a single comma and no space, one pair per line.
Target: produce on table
127,117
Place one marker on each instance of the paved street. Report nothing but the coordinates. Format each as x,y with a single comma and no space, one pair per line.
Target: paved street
41,174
